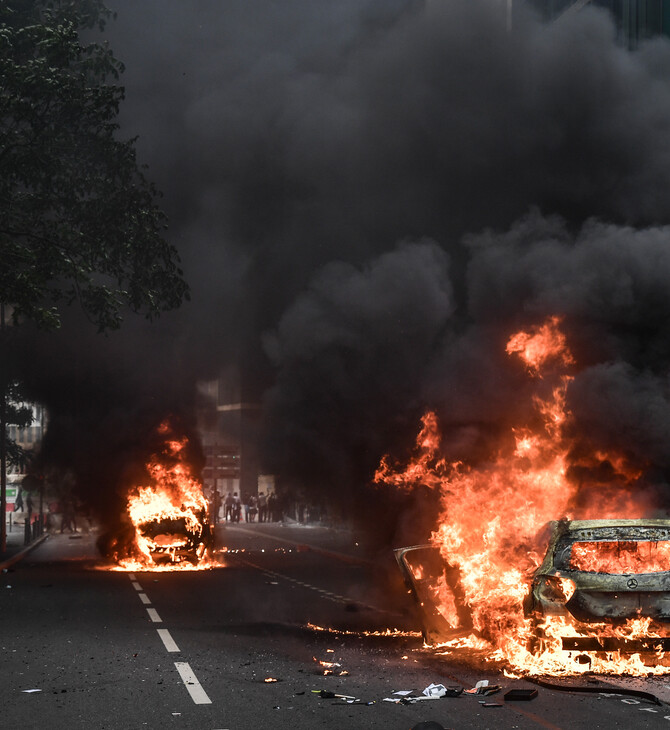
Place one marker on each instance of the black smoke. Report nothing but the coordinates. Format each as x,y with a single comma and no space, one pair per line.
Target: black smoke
368,198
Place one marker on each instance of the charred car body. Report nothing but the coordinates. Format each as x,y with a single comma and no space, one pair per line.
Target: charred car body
605,572
595,574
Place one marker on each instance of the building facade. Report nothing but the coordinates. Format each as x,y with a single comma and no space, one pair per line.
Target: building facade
228,427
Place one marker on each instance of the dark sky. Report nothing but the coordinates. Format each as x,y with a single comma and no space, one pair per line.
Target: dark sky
369,196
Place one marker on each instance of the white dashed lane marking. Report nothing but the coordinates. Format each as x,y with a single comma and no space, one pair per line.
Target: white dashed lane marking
194,688
167,640
198,694
326,594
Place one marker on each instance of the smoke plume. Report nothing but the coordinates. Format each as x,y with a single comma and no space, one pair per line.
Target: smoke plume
368,198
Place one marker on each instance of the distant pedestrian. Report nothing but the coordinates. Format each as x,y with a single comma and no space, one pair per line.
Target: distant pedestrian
68,520
253,508
262,507
272,507
228,507
18,504
216,505
237,508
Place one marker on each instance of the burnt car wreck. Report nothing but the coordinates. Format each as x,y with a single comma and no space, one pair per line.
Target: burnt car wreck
596,575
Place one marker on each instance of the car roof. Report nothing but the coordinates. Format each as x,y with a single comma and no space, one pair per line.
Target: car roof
594,524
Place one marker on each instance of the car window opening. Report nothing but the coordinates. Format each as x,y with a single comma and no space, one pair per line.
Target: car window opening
620,557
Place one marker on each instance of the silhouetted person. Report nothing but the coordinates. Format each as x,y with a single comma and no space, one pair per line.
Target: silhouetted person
237,507
262,507
216,505
272,507
253,508
228,507
69,521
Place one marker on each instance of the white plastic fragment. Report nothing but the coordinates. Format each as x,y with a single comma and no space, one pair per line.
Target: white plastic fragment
478,688
435,690
28,691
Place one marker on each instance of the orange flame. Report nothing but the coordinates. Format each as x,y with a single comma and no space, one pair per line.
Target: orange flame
541,345
169,515
489,531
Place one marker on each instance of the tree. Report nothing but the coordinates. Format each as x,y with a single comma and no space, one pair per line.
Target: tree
20,415
79,221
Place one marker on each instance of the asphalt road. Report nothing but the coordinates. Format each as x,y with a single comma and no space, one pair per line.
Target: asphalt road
88,647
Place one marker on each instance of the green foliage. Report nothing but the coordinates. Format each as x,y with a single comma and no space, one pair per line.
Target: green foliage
12,412
79,220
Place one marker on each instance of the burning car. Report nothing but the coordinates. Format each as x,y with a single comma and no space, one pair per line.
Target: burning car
596,576
168,516
501,579
604,572
172,540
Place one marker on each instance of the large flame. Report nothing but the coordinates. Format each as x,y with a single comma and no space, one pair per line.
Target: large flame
489,532
169,515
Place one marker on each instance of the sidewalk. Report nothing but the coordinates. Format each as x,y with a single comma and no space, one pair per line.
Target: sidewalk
16,547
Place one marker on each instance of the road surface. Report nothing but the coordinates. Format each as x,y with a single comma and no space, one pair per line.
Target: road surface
88,647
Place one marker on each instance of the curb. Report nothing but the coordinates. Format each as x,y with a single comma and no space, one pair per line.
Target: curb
15,558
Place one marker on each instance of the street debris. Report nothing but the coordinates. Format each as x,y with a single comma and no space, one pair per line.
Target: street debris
29,691
271,680
436,691
520,694
484,688
345,699
326,694
431,692
439,690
